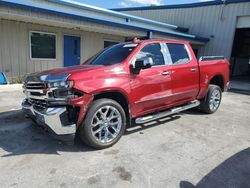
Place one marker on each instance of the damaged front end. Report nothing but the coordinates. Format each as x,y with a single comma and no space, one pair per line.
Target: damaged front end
54,103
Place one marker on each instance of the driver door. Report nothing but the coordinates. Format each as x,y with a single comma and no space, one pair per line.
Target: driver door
151,87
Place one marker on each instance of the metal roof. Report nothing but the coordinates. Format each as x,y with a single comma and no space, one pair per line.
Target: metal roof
83,6
189,5
98,19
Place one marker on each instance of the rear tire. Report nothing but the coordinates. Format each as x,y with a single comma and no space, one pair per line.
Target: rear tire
212,100
104,124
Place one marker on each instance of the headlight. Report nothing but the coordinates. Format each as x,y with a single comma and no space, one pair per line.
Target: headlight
61,84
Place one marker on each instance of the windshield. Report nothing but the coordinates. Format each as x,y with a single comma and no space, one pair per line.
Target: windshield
112,55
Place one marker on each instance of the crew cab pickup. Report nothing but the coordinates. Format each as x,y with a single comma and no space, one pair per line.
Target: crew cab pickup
129,83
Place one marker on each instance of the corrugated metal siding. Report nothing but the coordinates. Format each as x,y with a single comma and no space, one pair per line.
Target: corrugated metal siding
204,21
15,50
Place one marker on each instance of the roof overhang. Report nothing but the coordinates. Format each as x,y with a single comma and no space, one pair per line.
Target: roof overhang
129,17
92,18
182,6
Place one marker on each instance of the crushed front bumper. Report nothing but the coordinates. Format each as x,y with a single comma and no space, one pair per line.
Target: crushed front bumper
52,118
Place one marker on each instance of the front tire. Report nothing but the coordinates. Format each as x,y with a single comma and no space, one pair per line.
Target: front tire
211,102
104,124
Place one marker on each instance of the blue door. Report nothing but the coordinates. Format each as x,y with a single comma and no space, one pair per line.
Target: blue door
71,50
3,78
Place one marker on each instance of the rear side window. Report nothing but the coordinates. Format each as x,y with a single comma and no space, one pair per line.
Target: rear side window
153,51
178,53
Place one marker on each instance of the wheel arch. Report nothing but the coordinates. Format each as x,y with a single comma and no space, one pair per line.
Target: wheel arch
119,97
218,80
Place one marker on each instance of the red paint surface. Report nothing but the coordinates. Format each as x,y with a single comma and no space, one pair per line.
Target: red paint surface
149,90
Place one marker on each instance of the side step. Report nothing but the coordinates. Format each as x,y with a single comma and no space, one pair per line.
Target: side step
149,118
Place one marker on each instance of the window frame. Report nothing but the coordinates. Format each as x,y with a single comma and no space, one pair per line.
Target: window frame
169,55
42,59
165,59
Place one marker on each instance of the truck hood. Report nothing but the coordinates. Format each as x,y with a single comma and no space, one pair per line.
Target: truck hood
68,70
60,73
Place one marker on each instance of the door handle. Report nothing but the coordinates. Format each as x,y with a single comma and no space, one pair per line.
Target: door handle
193,69
165,73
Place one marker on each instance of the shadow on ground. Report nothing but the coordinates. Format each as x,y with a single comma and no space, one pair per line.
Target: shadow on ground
138,128
19,136
232,173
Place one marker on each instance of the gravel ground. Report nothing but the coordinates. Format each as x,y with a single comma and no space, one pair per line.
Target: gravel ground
185,151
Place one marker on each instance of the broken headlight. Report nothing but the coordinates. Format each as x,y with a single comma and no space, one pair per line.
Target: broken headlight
61,84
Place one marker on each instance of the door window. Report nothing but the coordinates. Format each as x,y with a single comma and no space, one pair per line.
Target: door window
178,53
154,51
75,47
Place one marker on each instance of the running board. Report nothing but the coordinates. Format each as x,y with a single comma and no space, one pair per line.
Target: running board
149,118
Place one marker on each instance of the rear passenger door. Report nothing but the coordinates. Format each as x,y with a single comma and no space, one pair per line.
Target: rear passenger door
184,73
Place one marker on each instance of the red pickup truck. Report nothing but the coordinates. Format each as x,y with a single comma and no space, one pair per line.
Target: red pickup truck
129,83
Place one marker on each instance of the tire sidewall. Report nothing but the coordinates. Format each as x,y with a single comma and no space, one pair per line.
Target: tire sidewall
211,89
85,129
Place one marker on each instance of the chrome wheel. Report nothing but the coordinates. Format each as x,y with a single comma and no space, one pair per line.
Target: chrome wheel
214,101
106,124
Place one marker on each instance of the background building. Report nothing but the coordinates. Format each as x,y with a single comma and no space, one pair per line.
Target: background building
225,22
37,35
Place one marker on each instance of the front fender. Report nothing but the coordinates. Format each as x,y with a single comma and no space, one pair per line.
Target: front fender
83,103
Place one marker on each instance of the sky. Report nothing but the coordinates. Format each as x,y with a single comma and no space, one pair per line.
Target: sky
134,3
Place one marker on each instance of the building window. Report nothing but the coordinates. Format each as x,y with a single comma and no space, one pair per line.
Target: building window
109,43
178,53
42,45
154,51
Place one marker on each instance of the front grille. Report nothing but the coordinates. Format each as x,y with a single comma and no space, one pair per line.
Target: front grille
40,96
35,85
37,103
36,92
